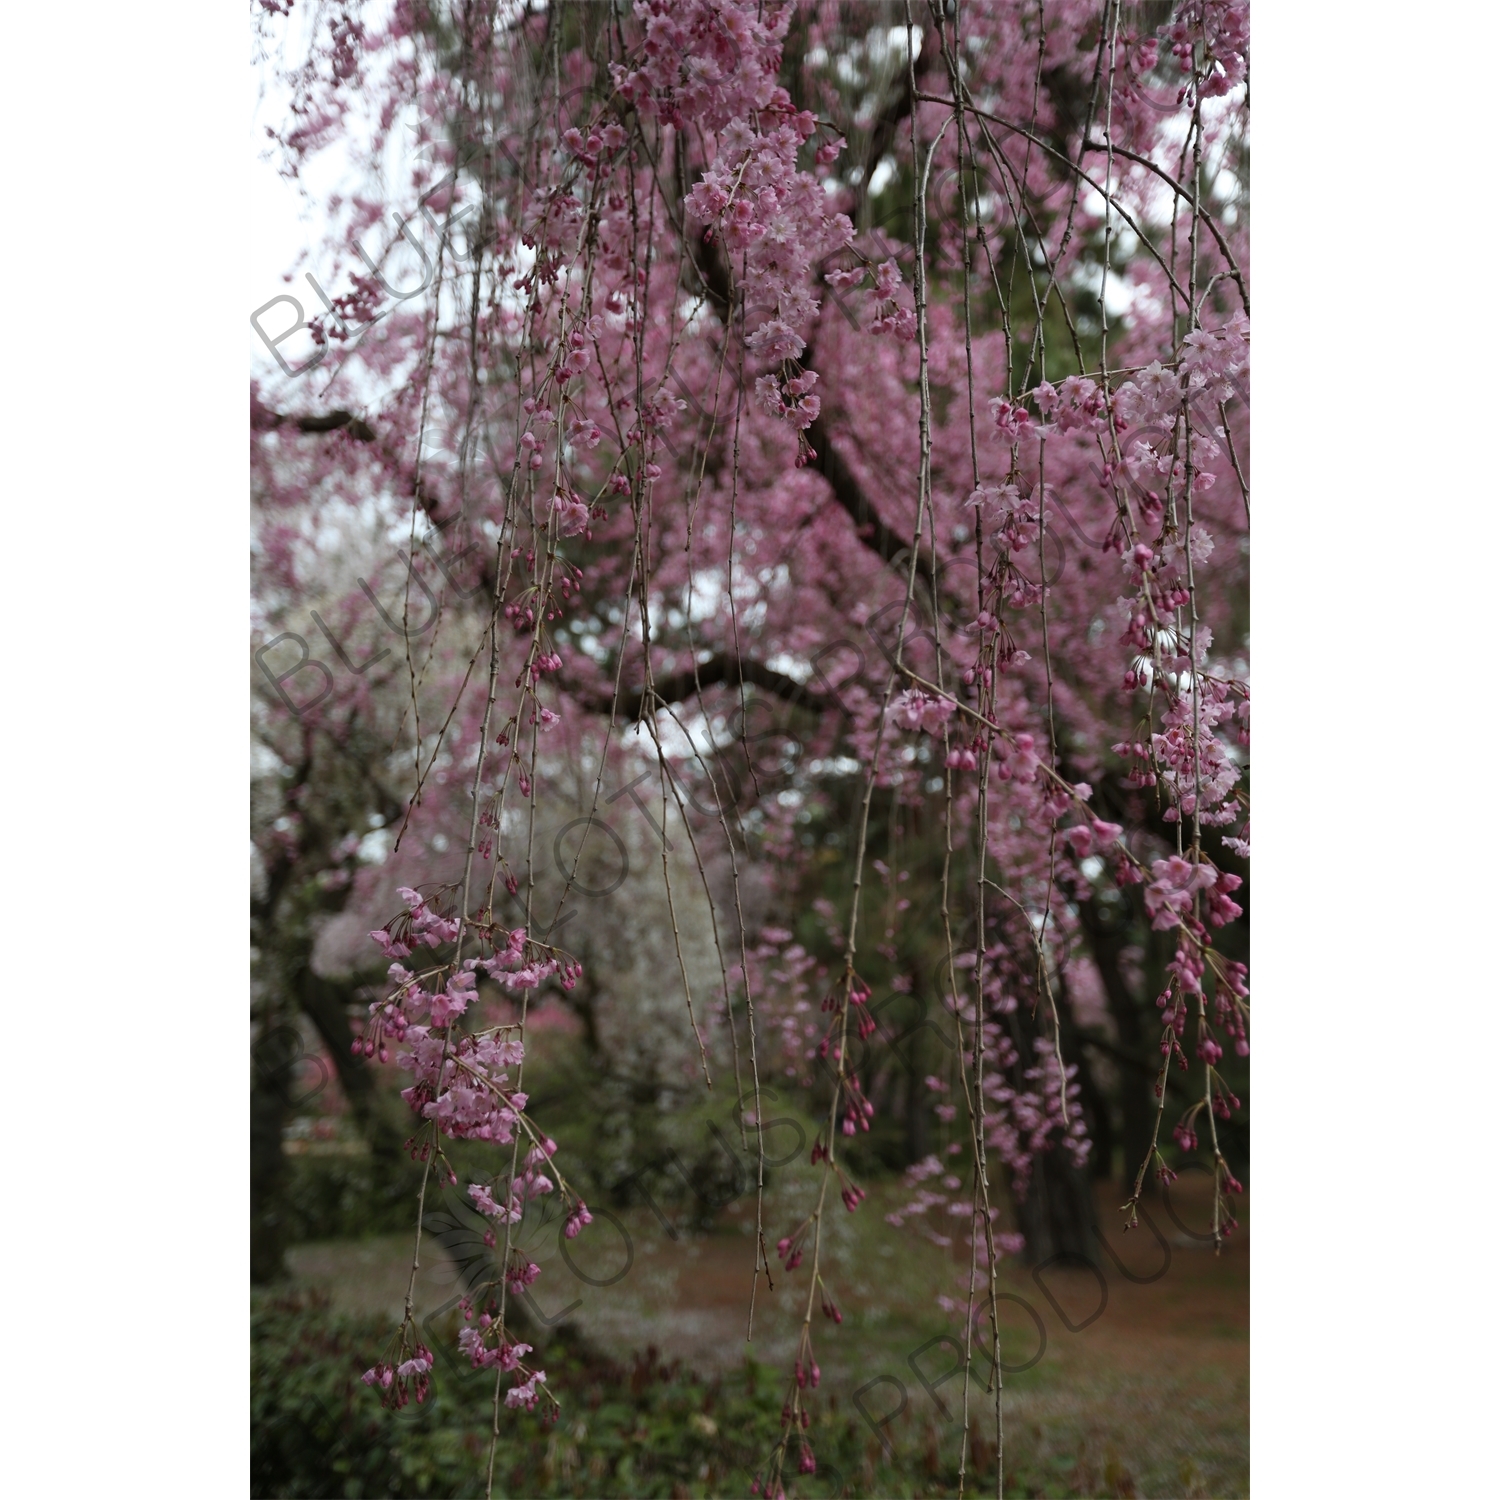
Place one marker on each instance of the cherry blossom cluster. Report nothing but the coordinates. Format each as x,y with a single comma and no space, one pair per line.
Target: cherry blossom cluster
505,1358
1209,38
398,1383
462,1086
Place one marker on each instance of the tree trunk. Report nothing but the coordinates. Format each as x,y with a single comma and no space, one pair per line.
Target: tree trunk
1057,1214
273,1061
1097,1114
326,1005
1107,934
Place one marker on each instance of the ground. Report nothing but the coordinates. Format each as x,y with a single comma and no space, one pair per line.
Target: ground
1142,1387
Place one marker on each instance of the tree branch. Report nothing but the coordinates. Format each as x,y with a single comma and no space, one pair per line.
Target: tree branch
847,490
722,669
263,419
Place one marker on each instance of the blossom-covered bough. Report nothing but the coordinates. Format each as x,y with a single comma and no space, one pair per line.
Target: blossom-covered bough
886,360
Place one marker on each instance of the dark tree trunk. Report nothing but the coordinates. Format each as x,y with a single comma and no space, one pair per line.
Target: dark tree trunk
1057,1214
279,1087
1108,933
283,924
918,1104
1097,1114
273,1062
326,1004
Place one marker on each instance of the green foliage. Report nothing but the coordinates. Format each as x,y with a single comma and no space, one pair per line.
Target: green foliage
316,1430
679,1149
347,1197
651,1429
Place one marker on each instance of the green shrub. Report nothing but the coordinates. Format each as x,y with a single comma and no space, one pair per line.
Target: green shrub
649,1429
